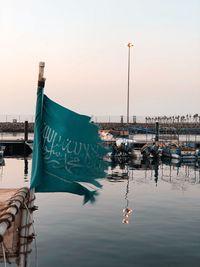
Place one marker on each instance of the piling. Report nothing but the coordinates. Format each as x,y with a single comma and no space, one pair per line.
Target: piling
25,137
157,132
122,119
26,131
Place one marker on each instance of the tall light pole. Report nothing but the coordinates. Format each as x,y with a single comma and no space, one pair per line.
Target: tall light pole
129,55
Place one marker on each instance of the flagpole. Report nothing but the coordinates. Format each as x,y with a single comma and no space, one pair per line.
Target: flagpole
41,79
38,123
27,216
37,145
129,64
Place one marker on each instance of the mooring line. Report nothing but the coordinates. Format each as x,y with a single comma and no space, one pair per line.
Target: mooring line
4,254
34,232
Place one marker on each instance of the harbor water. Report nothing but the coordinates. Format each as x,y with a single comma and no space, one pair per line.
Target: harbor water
161,228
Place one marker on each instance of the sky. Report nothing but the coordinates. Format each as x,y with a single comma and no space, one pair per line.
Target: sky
84,46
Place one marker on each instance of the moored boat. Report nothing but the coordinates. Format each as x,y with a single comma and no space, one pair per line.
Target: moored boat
171,150
2,149
189,153
151,150
123,148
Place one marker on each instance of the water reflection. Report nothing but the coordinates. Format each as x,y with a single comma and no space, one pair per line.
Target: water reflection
157,186
179,174
26,170
157,170
2,161
127,211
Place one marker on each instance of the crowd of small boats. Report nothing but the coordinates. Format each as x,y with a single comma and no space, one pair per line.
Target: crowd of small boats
171,150
121,148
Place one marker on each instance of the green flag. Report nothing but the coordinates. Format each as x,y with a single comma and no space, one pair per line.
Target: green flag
67,150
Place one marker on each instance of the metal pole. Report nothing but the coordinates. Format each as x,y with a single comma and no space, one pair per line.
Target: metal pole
129,54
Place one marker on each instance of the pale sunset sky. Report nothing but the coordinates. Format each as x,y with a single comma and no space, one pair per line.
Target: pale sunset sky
84,46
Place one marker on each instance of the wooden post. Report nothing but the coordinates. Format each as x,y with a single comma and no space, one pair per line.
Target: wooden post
26,131
157,132
25,137
122,119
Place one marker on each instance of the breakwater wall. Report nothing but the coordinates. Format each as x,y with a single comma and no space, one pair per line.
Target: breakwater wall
164,128
15,127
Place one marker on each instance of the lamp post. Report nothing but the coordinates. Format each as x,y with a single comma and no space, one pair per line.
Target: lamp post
129,54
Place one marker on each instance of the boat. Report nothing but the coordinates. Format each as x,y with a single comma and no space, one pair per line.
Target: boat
151,150
189,153
123,148
198,154
2,149
106,136
171,150
182,152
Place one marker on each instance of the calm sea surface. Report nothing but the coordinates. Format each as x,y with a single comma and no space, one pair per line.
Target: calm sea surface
163,228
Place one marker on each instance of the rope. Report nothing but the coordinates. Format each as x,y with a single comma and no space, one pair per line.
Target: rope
8,215
4,254
5,208
25,253
34,232
24,246
24,226
5,216
6,220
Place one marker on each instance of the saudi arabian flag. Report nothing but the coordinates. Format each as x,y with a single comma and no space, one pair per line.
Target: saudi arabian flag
67,150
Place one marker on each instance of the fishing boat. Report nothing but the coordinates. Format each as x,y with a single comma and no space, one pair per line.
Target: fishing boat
189,153
123,148
198,154
106,136
171,150
151,150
